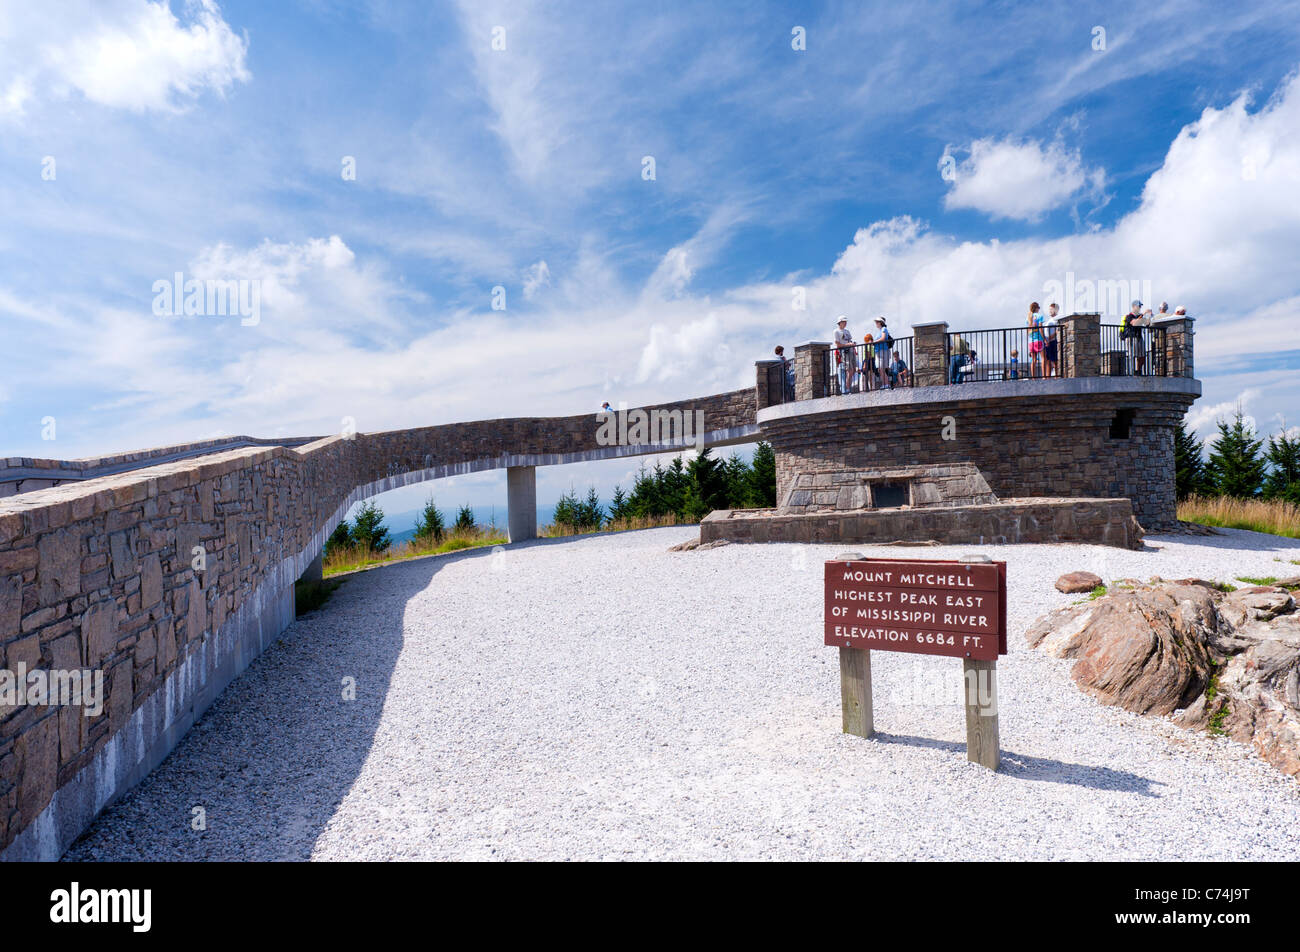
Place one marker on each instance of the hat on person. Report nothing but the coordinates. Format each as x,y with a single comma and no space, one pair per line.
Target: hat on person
1180,310
880,320
1136,304
841,319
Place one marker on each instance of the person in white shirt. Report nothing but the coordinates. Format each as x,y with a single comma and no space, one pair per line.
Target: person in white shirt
846,355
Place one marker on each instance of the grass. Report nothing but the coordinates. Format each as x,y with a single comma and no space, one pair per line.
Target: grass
560,530
1272,516
1211,692
1262,580
1097,592
309,596
339,561
353,558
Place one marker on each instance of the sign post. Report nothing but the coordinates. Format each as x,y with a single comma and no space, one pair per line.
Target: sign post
925,606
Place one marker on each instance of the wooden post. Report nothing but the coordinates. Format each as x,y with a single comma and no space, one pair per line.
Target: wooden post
855,691
981,685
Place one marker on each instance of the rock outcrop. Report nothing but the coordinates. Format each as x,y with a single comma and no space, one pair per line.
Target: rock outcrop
1075,583
1224,662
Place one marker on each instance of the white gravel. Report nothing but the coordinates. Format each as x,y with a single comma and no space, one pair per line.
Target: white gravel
605,699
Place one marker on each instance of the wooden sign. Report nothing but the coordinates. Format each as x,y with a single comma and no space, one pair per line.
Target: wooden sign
935,607
952,608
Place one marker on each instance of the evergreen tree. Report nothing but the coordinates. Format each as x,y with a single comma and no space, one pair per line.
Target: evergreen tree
430,525
369,530
675,487
736,473
465,519
1283,480
566,510
340,538
762,476
1236,467
1189,464
644,500
706,486
619,506
590,513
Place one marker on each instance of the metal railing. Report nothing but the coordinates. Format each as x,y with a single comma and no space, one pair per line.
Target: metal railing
1141,353
1006,353
861,368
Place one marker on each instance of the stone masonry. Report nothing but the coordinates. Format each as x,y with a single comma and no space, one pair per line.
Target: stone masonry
169,579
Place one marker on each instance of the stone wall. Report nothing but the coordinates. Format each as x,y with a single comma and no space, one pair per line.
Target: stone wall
170,579
1046,438
948,484
1013,521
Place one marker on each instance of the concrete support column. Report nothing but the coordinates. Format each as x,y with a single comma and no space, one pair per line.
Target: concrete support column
810,370
930,354
521,502
315,572
1080,336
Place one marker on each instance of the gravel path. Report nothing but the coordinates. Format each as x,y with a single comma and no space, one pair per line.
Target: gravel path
606,699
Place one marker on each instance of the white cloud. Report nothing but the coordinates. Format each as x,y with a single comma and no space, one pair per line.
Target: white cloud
1203,419
130,54
1020,180
536,276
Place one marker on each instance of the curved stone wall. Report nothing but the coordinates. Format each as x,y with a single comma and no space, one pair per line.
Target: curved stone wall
105,574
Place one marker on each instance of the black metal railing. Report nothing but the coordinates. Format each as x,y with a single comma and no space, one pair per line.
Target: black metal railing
1142,352
1007,353
861,368
781,382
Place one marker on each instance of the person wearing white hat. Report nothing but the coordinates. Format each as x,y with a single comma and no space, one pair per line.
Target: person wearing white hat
1131,334
884,343
846,354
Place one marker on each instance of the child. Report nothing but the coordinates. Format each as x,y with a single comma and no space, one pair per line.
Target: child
1015,364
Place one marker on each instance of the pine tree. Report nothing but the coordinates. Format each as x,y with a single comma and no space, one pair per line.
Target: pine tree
618,507
1236,467
566,510
1283,480
707,486
736,473
430,525
762,476
340,538
465,519
1189,464
675,487
590,513
369,530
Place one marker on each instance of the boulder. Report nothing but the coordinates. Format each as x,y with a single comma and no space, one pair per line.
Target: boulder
1075,583
1224,662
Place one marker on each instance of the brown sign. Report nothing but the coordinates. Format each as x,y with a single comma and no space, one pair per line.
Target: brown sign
935,607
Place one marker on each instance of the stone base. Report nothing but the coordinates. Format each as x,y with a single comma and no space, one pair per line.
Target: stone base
1095,521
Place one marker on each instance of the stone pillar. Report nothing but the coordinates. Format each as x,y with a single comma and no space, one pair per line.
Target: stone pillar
521,502
1080,342
810,370
1178,345
930,354
768,383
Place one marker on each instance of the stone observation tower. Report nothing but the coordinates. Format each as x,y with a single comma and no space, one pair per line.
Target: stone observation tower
1087,454
168,570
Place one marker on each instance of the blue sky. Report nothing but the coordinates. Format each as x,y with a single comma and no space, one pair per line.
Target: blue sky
211,140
